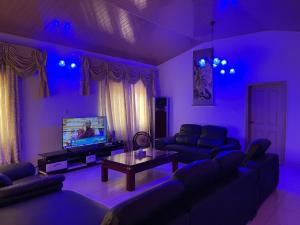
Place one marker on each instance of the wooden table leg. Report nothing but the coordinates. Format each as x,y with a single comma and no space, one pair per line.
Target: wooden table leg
130,176
104,173
174,164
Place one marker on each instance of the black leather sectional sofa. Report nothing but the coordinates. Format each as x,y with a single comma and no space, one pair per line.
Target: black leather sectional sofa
215,191
194,142
19,182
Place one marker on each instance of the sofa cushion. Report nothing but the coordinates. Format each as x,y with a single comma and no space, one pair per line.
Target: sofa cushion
229,162
184,139
64,207
198,175
258,148
212,136
4,180
190,129
145,205
209,142
216,132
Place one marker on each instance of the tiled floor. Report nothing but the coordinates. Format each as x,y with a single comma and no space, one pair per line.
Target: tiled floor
281,208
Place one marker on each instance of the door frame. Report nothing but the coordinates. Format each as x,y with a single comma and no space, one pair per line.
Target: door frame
283,85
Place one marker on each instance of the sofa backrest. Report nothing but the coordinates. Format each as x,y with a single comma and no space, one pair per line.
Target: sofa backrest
225,196
229,162
212,136
190,129
188,134
207,136
143,207
230,201
198,175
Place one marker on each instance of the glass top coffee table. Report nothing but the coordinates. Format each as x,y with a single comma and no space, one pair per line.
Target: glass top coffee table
133,162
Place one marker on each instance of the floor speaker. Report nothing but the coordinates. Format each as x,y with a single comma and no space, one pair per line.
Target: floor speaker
161,117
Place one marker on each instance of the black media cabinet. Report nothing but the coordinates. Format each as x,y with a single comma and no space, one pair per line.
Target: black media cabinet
66,160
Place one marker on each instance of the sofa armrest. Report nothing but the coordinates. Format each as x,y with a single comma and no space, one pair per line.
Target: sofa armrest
31,186
18,171
162,142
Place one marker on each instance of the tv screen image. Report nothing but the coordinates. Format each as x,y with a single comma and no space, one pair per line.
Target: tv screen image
83,131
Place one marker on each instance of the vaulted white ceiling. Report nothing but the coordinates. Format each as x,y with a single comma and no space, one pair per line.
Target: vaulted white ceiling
150,31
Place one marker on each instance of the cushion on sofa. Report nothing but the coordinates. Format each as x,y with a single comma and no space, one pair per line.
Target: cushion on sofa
212,136
209,142
4,180
184,139
190,129
18,171
145,205
258,148
229,161
64,207
198,175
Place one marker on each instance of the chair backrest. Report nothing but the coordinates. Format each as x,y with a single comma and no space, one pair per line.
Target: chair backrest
141,139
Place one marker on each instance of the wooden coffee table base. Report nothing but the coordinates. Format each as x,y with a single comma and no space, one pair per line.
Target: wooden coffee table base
130,171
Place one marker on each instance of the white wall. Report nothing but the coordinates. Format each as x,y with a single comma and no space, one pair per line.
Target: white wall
259,57
41,118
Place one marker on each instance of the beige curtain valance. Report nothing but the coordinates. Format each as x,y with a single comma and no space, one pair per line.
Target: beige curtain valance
96,69
26,62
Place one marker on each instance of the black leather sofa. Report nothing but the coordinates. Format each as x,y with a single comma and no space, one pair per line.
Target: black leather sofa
205,192
19,182
194,142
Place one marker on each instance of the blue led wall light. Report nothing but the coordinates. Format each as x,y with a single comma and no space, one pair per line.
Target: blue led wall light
62,63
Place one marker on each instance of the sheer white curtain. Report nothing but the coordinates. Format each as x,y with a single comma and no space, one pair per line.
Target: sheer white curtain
9,142
126,106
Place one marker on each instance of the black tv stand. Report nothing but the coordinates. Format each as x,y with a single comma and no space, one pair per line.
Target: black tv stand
75,158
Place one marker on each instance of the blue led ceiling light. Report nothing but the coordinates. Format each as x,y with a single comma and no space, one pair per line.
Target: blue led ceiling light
202,63
62,63
73,65
223,62
232,71
67,26
216,61
55,23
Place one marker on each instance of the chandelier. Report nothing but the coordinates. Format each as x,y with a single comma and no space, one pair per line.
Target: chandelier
217,63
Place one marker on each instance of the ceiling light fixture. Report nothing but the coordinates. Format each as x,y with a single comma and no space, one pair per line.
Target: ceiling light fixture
62,63
73,65
215,62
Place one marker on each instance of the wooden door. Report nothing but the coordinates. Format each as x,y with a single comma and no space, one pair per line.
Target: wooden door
267,115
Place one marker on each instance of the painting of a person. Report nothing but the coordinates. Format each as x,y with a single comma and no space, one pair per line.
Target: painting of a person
86,131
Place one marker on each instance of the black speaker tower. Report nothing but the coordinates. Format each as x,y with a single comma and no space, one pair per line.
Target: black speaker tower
161,117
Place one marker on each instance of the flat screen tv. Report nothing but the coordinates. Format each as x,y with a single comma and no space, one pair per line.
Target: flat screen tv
84,131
